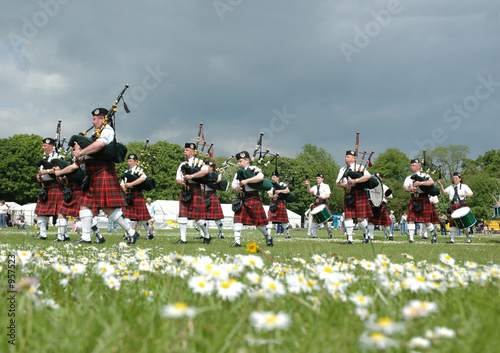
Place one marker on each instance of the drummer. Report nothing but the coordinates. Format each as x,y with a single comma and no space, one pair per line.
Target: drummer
457,192
380,215
356,204
321,192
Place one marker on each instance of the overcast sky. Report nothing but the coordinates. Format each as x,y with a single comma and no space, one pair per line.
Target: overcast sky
406,74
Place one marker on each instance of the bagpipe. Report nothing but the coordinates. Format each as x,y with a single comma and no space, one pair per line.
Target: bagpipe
149,184
286,182
432,190
373,182
76,176
115,151
212,178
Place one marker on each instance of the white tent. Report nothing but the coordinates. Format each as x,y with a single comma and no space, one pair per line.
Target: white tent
167,212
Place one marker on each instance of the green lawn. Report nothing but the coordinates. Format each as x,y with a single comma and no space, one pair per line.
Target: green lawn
331,297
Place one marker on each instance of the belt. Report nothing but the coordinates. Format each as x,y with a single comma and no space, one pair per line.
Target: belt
251,193
210,192
192,187
49,183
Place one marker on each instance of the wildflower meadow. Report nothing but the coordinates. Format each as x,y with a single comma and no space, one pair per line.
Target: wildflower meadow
302,295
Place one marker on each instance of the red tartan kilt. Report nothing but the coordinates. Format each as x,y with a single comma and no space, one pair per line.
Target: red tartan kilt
361,208
454,208
428,213
194,209
382,219
53,203
252,212
137,210
280,215
73,208
214,212
104,190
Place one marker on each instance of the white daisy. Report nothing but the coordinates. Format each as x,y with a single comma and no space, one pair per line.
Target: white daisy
419,343
377,340
178,310
269,321
359,299
200,285
416,308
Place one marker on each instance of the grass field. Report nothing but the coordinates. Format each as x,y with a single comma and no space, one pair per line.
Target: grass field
302,295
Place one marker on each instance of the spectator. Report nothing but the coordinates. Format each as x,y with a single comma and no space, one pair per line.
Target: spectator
4,208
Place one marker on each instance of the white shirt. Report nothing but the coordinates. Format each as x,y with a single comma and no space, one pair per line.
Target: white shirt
409,181
136,170
324,189
462,191
53,155
107,135
354,166
247,188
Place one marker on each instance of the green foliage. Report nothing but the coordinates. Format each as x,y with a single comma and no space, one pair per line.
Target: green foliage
450,158
18,168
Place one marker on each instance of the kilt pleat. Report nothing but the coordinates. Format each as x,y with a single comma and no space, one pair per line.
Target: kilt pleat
361,208
252,212
53,203
380,216
428,213
280,215
194,209
72,208
214,211
104,190
137,210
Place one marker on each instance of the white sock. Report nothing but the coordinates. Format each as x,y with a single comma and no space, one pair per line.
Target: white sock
349,226
42,223
237,227
453,233
220,226
183,223
315,227
86,219
371,229
203,228
411,230
118,218
363,226
264,230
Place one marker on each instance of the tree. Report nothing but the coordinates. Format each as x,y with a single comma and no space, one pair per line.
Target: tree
451,158
18,168
489,163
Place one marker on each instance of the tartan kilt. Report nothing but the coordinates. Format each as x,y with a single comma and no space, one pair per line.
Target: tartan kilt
137,210
280,215
73,208
214,211
361,208
194,209
455,207
104,190
53,203
380,216
252,212
428,213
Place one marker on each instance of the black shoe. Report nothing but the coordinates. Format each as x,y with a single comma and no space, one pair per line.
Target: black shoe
150,237
180,241
366,241
348,242
424,237
433,240
58,240
66,238
220,236
125,236
100,240
81,241
330,236
391,239
269,241
410,241
314,237
40,237
132,240
235,245
207,240
288,236
450,242
200,237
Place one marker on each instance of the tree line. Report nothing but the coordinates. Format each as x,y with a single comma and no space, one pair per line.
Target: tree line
21,152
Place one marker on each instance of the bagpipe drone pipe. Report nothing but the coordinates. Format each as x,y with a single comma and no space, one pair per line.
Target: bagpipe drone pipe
432,190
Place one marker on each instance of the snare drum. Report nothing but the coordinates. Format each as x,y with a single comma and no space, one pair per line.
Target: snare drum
321,214
463,218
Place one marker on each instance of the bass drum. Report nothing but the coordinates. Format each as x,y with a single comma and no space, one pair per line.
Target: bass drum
376,195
